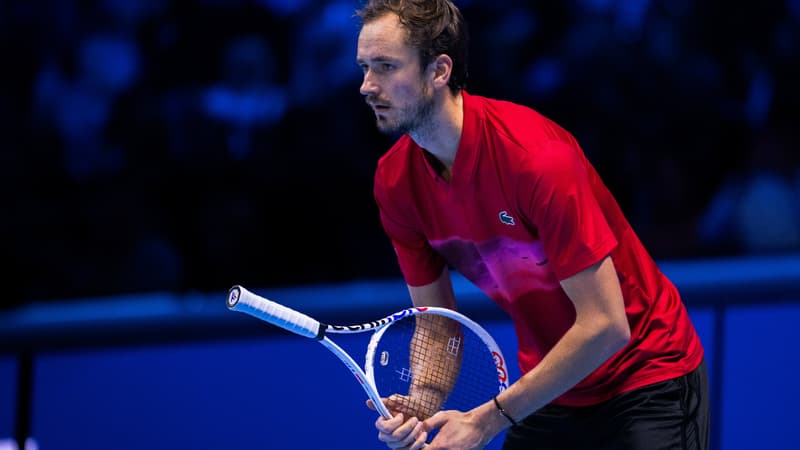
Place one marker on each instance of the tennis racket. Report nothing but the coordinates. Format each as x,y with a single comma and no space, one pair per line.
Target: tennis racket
421,360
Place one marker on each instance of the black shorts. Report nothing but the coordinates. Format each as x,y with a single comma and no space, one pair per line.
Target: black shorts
670,415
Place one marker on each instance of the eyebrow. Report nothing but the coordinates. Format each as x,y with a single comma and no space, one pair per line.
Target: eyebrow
378,59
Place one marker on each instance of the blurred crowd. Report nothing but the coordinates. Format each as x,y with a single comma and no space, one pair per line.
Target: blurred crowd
175,146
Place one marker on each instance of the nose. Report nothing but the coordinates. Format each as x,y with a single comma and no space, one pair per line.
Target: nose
368,85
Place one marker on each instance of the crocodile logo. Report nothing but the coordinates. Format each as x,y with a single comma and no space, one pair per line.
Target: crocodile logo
506,218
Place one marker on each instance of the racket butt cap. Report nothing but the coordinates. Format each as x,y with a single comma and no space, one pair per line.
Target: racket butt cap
234,294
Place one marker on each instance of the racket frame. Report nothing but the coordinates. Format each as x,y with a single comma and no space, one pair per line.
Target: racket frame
243,300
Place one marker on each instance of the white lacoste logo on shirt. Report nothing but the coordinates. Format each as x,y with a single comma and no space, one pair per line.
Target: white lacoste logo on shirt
506,218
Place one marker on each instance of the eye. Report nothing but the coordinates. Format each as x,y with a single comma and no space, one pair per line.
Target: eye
386,67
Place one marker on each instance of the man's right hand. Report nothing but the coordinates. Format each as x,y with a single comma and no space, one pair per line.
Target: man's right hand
398,432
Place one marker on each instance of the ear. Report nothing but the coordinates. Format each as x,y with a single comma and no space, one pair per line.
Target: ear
442,68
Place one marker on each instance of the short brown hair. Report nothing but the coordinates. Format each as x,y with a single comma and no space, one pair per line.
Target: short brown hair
435,27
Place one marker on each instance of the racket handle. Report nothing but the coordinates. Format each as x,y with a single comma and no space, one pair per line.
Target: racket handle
242,300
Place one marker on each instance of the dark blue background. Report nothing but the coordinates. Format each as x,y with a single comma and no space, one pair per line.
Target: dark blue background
164,149
179,146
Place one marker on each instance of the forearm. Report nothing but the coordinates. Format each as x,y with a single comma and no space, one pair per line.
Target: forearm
434,371
435,362
579,352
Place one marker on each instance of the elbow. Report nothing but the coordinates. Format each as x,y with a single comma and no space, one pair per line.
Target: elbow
607,336
610,335
617,335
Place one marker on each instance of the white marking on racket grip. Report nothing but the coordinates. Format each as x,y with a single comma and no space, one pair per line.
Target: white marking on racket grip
242,300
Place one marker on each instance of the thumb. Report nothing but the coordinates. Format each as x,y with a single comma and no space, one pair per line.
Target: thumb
436,421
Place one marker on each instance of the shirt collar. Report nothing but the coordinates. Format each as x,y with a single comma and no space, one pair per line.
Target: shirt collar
466,159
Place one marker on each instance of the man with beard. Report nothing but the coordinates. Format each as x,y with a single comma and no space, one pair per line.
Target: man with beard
609,356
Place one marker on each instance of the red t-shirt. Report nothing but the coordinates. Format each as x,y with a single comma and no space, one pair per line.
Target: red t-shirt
523,210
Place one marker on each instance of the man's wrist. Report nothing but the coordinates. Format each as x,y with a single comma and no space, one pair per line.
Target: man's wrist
490,420
503,412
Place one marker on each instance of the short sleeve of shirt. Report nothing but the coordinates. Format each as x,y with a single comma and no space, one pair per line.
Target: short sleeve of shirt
418,261
558,193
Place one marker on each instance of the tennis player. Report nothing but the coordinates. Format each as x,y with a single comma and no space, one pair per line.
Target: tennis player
609,356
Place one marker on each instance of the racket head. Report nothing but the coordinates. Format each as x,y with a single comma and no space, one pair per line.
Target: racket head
452,363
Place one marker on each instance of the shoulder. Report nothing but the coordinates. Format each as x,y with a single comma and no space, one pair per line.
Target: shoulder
525,138
522,124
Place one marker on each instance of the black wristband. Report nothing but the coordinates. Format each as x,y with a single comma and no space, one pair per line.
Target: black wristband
503,412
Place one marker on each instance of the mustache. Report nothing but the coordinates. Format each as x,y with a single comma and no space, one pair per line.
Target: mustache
376,101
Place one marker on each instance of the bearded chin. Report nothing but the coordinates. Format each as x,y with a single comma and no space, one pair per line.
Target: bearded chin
413,119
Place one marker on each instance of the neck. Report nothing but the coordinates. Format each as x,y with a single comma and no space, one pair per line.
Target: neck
441,137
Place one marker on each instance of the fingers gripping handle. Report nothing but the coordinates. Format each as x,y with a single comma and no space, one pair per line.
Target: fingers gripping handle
242,300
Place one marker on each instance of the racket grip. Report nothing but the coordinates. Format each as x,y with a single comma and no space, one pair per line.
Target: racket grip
242,300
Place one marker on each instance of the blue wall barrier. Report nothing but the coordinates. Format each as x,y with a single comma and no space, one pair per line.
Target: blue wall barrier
165,371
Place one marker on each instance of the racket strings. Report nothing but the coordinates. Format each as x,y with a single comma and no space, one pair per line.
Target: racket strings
429,363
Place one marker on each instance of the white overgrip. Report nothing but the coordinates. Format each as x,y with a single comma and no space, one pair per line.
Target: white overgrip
242,300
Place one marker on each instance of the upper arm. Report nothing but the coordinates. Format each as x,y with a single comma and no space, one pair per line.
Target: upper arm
418,261
558,197
439,293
